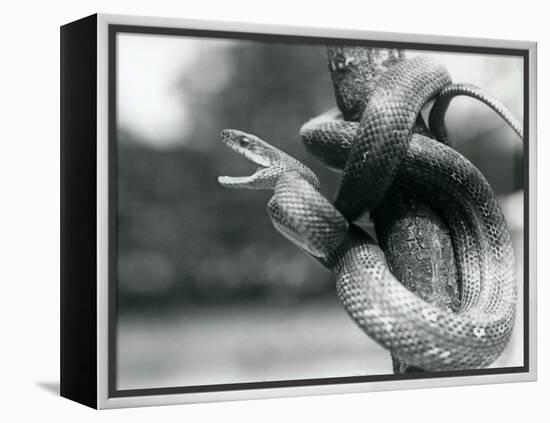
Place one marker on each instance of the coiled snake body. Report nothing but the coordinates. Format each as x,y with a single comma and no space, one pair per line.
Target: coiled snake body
378,152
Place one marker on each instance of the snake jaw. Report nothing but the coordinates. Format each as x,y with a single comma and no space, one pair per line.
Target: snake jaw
250,147
273,163
247,145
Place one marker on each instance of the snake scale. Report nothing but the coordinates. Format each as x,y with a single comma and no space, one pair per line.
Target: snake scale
414,237
378,152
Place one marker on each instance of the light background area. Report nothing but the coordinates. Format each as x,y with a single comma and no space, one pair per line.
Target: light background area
211,298
30,214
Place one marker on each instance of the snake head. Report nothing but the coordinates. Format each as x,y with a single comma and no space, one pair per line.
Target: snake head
272,162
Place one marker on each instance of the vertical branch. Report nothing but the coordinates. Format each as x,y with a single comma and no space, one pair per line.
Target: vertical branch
413,236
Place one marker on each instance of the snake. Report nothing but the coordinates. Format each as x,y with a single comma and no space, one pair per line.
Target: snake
375,153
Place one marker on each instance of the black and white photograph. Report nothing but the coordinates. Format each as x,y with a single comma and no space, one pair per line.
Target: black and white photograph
253,211
275,212
294,209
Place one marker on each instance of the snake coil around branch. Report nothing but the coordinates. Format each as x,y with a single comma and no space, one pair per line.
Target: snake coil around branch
383,146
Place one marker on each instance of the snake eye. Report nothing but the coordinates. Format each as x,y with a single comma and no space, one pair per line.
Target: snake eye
244,142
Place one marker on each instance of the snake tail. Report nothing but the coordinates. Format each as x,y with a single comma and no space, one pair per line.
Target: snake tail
439,109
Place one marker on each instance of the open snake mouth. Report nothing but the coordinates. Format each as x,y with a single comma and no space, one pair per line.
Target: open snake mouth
250,147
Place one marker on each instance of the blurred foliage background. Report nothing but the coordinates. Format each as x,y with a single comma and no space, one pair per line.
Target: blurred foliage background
185,243
181,236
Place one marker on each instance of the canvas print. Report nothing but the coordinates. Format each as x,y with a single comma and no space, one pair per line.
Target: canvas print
298,210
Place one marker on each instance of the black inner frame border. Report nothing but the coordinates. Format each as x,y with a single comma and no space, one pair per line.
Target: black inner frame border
114,29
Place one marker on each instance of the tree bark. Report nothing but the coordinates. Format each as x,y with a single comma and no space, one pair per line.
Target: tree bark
414,237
